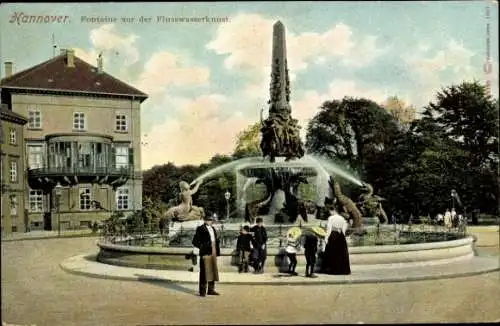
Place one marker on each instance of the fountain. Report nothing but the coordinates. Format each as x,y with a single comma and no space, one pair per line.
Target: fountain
279,179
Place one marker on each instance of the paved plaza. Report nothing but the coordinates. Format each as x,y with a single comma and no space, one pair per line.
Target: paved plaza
36,291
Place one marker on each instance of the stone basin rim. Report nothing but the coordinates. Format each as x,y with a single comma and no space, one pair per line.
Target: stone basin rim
469,240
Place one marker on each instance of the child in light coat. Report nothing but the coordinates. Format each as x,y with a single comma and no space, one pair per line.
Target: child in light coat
293,246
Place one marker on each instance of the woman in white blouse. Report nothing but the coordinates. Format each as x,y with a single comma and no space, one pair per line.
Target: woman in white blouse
336,257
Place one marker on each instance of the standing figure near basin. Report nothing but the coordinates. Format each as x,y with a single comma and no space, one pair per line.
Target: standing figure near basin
186,211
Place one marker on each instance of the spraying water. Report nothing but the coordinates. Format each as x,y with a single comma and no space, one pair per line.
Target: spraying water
324,166
337,170
226,167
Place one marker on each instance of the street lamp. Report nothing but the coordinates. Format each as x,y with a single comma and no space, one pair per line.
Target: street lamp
227,195
58,205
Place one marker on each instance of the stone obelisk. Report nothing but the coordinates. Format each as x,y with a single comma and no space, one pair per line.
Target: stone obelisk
280,82
280,132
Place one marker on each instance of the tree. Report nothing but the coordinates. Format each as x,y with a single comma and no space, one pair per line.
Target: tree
468,118
248,142
421,171
452,146
352,131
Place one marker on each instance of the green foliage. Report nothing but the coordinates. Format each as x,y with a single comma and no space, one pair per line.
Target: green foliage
351,131
454,145
248,142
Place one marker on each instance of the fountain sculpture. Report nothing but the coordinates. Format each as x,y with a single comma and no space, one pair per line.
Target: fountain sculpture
280,132
186,211
371,205
280,179
347,205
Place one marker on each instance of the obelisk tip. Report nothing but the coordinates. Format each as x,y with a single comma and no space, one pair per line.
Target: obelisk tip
278,23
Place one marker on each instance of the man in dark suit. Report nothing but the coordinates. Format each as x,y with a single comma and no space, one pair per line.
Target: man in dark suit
206,240
260,241
310,248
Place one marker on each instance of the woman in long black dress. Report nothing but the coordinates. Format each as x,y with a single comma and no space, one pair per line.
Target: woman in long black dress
336,257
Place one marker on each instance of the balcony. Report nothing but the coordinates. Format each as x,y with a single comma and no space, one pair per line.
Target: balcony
72,159
46,178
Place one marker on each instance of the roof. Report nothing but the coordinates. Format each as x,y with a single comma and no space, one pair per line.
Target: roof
54,75
6,114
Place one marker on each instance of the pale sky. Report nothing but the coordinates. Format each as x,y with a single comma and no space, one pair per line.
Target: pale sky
208,81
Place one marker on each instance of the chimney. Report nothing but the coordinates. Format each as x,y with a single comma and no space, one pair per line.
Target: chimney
99,63
8,68
70,58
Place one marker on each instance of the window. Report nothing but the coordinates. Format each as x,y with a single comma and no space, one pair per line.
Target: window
13,136
122,198
36,201
84,155
121,122
121,156
34,119
13,205
13,171
85,199
35,156
79,121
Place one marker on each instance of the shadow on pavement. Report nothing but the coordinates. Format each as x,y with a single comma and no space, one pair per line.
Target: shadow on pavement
166,284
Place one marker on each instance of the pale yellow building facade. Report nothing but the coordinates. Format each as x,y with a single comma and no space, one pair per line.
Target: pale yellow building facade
86,139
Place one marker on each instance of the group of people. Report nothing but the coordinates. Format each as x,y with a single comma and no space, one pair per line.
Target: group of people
207,245
329,245
450,218
252,250
252,247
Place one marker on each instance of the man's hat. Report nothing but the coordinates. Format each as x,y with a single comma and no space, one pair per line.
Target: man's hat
210,217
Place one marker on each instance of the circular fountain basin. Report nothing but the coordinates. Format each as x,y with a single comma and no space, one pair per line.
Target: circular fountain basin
370,256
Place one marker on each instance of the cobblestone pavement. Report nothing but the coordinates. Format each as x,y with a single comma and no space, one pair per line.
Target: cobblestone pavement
35,291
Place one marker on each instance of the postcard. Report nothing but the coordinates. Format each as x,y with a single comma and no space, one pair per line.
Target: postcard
249,162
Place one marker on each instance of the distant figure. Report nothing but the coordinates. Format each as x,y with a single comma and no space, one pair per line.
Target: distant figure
440,219
460,220
244,247
292,247
475,220
336,257
206,240
310,251
454,217
447,219
260,242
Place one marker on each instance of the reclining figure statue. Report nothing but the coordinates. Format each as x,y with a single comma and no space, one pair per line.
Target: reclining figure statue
186,211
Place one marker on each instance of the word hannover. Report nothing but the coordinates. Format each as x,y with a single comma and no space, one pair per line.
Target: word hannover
23,18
